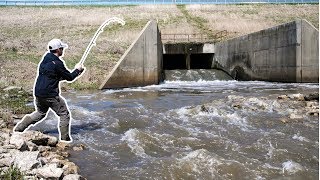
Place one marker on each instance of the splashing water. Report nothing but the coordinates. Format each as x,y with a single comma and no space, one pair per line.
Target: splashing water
194,130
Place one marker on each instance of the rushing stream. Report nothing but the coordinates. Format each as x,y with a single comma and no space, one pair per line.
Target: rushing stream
194,130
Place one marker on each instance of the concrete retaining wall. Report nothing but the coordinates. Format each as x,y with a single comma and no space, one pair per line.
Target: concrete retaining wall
285,53
308,53
188,48
141,64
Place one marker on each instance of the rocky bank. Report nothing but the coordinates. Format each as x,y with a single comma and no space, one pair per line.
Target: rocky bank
36,156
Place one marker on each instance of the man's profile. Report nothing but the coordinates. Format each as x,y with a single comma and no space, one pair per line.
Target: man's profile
51,71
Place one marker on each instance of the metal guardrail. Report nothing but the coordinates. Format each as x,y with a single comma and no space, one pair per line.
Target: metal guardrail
193,37
129,2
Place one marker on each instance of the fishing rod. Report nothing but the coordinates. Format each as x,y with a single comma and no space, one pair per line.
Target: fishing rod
96,35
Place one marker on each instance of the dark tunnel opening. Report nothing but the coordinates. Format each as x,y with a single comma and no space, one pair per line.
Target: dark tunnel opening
180,61
174,61
201,61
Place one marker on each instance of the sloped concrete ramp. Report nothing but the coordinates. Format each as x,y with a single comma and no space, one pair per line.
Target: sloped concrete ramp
141,64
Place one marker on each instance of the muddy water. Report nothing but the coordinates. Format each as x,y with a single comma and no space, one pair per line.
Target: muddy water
194,130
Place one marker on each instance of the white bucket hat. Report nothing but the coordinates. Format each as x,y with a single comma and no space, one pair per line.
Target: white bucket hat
56,44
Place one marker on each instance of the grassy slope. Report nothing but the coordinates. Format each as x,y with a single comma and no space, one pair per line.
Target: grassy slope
25,31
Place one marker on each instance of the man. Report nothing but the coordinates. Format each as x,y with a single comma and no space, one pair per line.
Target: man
51,71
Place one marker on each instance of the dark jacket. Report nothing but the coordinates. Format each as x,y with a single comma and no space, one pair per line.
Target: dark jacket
51,71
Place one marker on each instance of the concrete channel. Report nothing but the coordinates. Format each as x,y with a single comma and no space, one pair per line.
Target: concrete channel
285,53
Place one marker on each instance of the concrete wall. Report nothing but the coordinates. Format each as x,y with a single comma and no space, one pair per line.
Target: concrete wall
188,48
285,53
308,52
141,64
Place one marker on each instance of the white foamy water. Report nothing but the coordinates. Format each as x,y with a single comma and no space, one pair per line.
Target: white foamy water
131,137
300,138
82,110
291,167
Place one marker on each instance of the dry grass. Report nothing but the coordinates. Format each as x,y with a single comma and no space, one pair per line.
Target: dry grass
243,19
25,31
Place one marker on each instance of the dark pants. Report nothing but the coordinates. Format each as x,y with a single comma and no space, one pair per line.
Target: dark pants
58,105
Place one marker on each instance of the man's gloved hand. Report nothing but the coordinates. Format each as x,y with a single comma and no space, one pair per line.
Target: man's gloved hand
79,67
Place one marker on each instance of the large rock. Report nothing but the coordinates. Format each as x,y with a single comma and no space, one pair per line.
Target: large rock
44,148
17,140
4,138
50,171
312,104
35,137
39,138
81,147
13,152
311,97
9,146
6,162
2,150
62,146
3,124
70,168
32,146
298,97
283,97
313,112
26,161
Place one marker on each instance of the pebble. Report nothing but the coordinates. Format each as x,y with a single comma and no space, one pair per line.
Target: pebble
10,88
80,147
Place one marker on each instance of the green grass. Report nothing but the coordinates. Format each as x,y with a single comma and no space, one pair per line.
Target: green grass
13,173
15,101
250,11
12,55
132,23
170,20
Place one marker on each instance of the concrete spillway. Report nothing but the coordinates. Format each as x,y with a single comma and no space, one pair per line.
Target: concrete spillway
285,53
188,56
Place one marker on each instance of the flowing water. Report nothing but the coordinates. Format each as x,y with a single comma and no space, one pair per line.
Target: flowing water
194,130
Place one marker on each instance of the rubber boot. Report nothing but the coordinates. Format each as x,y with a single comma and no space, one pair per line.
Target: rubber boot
64,134
23,124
